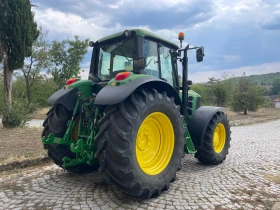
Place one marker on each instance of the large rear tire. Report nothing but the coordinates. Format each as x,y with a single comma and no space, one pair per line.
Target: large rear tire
141,142
216,141
56,122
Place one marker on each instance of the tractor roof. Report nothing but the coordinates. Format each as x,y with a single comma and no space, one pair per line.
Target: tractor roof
142,33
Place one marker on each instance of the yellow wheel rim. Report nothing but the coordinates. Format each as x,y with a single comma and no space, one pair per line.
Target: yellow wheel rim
219,138
75,130
155,143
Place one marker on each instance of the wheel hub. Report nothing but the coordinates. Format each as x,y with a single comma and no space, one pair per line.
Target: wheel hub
144,139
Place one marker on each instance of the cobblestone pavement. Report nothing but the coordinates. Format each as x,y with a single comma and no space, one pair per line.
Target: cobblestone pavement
248,179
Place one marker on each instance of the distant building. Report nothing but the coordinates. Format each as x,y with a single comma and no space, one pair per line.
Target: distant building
277,103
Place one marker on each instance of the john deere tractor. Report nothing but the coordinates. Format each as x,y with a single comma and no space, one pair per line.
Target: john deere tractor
132,118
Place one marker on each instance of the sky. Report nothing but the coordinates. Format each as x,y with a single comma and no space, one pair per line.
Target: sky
238,35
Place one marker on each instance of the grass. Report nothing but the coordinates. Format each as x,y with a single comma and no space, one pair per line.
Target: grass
19,144
40,113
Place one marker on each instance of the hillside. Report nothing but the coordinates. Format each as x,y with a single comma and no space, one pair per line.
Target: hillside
262,79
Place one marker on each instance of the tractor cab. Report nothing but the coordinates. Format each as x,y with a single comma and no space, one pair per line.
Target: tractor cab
136,51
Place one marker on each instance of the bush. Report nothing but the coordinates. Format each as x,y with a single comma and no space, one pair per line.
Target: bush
17,116
266,103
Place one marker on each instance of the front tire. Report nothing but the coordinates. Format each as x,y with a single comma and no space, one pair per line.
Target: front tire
141,142
216,141
56,122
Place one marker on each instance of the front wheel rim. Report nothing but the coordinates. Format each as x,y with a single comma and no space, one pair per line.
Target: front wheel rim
219,138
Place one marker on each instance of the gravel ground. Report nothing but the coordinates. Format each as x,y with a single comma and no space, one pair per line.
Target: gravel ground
248,179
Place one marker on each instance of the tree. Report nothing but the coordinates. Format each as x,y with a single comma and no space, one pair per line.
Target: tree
66,57
220,93
246,96
201,89
1,91
38,60
17,33
275,87
217,91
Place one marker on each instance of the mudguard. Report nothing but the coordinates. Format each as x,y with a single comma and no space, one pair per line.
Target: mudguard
198,123
110,95
66,97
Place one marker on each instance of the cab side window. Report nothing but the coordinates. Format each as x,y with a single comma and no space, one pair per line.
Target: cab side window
151,56
166,65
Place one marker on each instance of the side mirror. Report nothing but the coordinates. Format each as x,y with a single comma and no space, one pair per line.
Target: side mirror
199,54
139,64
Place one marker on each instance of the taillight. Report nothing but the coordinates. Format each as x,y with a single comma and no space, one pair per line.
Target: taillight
70,81
122,76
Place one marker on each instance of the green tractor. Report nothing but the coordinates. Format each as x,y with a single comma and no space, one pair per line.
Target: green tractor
132,118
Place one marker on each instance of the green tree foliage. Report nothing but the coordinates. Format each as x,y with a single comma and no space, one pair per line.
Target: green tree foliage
219,91
37,61
18,115
18,30
40,91
262,79
66,57
201,89
246,96
275,89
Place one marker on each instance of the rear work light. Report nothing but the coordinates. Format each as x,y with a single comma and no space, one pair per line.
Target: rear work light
122,76
70,81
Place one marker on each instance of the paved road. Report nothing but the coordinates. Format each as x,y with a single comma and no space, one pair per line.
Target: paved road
248,179
32,123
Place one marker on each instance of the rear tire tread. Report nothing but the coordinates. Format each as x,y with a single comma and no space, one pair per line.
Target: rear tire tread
115,160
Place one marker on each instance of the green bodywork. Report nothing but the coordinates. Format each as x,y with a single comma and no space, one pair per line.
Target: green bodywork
193,100
85,147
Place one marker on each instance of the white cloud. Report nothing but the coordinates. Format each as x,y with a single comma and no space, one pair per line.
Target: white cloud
202,76
65,25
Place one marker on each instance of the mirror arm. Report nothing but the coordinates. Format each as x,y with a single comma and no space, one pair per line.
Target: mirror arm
185,83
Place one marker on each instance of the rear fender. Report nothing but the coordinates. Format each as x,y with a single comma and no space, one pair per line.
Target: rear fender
67,96
198,123
111,95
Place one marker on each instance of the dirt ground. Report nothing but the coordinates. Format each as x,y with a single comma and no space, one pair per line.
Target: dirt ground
262,114
233,116
25,143
19,144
